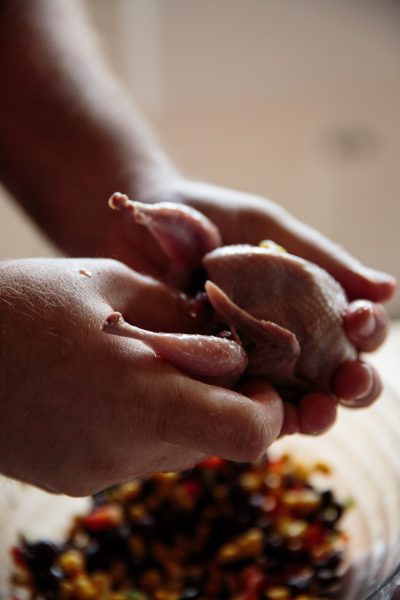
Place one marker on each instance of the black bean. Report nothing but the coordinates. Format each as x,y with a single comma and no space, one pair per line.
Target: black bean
100,498
301,580
330,561
190,593
327,498
96,558
50,579
40,555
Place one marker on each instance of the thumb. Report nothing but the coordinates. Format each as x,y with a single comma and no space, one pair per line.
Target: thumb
151,304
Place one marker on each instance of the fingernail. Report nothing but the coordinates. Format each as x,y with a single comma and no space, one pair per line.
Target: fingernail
371,383
379,276
367,328
357,400
360,318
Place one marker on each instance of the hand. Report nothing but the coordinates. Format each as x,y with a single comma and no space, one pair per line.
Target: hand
243,218
81,410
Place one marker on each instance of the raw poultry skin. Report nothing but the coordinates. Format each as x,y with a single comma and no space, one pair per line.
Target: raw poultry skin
285,314
288,313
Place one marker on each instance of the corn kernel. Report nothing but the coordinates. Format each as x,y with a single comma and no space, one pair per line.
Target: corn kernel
304,500
101,583
166,595
67,589
136,546
137,511
250,482
173,569
251,543
273,481
292,528
182,499
128,491
71,562
277,593
166,478
322,468
151,580
229,552
84,589
220,492
270,245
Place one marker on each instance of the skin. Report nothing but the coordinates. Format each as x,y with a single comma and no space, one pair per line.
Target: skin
69,138
130,415
245,218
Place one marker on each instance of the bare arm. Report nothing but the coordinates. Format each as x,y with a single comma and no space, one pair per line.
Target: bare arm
69,135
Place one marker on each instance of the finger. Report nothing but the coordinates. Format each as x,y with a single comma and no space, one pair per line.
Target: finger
317,413
366,325
150,304
357,384
235,426
264,219
260,391
358,281
167,457
291,422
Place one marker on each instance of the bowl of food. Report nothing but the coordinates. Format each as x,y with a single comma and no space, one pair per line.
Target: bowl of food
318,519
220,530
361,450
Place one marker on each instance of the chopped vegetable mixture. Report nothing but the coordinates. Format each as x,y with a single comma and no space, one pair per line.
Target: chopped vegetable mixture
219,531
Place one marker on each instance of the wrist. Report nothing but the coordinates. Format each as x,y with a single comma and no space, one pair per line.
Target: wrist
152,177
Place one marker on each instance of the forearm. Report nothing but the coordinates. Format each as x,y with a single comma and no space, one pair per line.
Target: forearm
69,136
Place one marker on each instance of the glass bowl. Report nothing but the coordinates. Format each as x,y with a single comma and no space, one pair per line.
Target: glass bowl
363,450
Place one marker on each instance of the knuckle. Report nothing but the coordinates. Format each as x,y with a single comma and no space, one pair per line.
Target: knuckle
167,415
114,264
118,269
254,438
115,268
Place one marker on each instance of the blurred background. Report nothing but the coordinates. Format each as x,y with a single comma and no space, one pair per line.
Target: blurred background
297,101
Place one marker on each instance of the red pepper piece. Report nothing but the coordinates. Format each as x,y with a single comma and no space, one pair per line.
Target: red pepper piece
214,462
104,517
192,488
276,465
18,557
315,535
250,595
253,579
